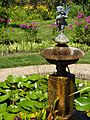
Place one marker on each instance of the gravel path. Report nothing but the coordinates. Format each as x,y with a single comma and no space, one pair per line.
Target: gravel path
80,70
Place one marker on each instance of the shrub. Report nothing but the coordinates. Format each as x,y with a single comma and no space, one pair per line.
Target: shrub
83,47
6,35
54,28
43,11
74,10
31,31
81,29
17,13
4,16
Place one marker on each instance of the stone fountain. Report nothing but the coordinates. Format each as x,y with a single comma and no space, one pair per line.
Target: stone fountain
62,83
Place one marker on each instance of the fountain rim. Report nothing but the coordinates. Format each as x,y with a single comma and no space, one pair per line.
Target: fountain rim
48,54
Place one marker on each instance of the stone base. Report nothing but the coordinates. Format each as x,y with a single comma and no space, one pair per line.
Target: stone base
61,87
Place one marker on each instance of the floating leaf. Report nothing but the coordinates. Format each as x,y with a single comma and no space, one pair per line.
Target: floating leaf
14,95
4,97
33,95
38,104
2,91
13,79
8,116
27,85
82,103
13,109
26,104
24,78
34,77
3,85
3,107
43,97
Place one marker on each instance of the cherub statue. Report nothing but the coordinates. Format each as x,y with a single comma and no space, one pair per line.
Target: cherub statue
60,18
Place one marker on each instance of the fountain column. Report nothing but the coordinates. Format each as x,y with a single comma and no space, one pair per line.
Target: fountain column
61,87
62,83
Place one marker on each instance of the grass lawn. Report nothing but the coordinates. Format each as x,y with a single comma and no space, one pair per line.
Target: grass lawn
24,59
27,59
85,59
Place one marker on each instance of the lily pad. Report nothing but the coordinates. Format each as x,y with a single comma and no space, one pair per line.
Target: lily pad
24,78
33,95
13,79
38,105
34,77
26,104
82,103
3,107
8,116
4,97
3,85
13,109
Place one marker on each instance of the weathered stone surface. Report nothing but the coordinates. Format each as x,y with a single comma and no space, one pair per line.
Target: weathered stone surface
61,87
61,38
62,53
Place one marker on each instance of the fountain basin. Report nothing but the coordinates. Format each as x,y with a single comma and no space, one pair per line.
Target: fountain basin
63,55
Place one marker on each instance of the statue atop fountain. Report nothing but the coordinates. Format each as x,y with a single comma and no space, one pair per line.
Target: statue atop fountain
60,18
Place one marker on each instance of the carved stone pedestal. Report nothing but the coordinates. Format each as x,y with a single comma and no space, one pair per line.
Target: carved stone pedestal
61,87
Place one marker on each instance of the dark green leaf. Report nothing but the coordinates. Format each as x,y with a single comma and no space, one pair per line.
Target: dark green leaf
8,116
82,103
27,85
38,104
34,77
13,109
3,107
32,95
13,79
3,85
24,78
4,97
26,104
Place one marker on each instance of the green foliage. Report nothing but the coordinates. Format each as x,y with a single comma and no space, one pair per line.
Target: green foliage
83,47
82,103
30,12
81,29
6,35
17,13
23,95
74,10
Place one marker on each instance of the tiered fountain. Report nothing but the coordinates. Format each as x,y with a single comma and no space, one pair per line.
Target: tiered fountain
62,83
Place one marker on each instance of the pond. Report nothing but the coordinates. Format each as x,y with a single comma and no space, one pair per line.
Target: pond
28,95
